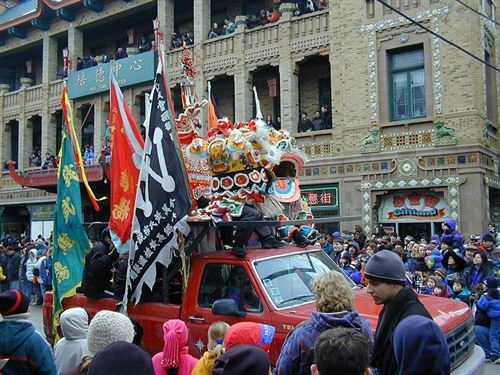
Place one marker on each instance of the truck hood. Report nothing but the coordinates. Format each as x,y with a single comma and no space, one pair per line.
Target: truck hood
447,313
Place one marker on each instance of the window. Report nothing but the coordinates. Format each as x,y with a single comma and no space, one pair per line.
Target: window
407,84
325,92
228,281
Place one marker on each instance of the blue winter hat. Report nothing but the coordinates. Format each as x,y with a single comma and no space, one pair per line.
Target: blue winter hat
421,346
336,235
491,282
488,237
386,266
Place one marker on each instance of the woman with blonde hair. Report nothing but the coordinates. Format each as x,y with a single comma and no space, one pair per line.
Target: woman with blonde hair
334,304
216,333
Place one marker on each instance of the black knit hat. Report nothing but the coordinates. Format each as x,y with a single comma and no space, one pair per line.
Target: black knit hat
13,302
386,266
120,358
242,359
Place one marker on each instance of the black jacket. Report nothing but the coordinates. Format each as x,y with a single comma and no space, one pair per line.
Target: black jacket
98,270
404,304
13,266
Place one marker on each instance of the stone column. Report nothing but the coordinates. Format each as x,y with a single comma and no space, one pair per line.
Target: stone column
166,18
49,57
25,132
289,94
49,132
336,64
289,77
243,95
202,18
75,45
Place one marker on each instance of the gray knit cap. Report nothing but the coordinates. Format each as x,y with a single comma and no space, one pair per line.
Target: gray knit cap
386,266
106,328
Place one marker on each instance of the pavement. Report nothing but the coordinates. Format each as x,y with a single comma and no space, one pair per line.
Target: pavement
36,319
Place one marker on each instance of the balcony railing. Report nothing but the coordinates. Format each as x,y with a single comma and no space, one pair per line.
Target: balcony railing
55,89
11,100
262,42
34,94
310,31
219,53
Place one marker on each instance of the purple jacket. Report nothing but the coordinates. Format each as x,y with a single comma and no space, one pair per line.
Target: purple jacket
456,238
297,354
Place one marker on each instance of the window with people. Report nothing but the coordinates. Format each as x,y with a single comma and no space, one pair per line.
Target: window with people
228,281
322,120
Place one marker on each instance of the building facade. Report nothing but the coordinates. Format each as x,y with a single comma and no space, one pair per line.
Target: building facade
415,121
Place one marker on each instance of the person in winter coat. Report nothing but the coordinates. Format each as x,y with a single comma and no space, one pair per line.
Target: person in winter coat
44,266
403,323
174,359
305,124
12,271
478,271
70,350
317,122
334,304
97,271
449,231
489,339
492,251
35,288
455,264
460,292
26,350
215,346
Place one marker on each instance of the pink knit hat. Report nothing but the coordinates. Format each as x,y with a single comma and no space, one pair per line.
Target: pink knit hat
175,337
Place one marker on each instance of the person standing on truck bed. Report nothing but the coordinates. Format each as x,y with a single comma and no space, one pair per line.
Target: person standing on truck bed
98,268
407,341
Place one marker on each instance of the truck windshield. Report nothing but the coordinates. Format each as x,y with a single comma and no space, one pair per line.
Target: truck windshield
288,279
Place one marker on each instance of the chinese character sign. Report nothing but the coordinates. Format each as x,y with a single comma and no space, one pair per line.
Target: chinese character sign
321,197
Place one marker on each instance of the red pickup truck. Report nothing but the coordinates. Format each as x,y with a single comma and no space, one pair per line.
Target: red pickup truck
272,287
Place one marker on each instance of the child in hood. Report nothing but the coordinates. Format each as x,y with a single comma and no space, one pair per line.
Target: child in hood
489,339
175,358
449,232
460,292
70,350
215,346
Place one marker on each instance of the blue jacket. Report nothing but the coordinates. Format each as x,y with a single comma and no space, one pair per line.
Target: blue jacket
297,353
490,305
46,271
26,349
456,238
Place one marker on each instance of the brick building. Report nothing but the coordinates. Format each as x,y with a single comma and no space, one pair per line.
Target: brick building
415,121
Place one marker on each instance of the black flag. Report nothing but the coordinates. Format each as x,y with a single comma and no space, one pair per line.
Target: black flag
162,201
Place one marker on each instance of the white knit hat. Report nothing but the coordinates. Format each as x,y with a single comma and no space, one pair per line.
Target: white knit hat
106,328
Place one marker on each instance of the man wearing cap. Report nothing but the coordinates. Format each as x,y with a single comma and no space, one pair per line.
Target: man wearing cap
492,252
23,349
399,349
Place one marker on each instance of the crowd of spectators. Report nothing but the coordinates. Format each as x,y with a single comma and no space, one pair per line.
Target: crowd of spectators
51,161
442,266
266,16
178,40
322,120
144,45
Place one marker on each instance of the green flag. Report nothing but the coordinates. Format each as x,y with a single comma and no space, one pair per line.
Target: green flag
71,243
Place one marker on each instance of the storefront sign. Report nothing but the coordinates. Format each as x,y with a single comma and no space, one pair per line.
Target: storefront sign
129,71
413,206
321,197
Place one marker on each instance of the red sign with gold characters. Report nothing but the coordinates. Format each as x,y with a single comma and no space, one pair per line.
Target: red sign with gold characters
413,206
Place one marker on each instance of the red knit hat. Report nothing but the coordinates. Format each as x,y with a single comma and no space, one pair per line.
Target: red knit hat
250,333
175,337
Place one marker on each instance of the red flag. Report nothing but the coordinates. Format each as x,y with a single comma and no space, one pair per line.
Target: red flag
126,154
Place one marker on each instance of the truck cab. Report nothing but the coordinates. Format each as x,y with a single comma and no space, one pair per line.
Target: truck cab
272,287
